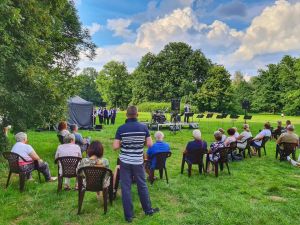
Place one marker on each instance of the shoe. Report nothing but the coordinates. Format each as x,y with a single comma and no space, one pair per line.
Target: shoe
153,210
52,179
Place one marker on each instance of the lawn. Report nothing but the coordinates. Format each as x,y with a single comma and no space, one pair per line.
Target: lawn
258,191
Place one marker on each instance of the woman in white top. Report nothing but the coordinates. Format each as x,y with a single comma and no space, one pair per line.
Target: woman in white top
241,139
231,138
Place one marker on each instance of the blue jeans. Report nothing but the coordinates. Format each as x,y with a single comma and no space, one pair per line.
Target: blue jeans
127,172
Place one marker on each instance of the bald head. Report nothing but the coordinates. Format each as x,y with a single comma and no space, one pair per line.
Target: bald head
132,112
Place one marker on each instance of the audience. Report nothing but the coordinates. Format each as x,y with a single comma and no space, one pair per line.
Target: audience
158,147
69,148
223,134
213,154
231,138
63,128
257,141
277,132
82,142
95,158
241,139
27,152
236,134
288,137
196,145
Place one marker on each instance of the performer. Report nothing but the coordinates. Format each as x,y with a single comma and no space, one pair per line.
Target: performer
94,116
113,114
100,115
186,113
106,116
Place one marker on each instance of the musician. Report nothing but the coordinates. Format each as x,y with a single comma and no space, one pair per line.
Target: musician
94,115
100,115
113,114
106,116
186,113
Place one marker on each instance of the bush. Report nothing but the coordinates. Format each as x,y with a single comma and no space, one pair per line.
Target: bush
152,106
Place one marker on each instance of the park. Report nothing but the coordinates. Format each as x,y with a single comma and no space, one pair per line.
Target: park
89,88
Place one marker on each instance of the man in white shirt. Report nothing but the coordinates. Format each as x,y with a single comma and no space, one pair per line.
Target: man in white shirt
241,139
27,152
69,148
266,132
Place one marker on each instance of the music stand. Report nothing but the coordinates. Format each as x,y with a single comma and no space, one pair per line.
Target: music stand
247,117
224,115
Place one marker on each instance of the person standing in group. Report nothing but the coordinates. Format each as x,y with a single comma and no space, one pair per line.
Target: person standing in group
94,116
100,115
131,139
186,113
106,116
113,114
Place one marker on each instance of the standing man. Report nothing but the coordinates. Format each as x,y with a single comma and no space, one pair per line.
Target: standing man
113,114
94,116
131,138
186,112
100,115
106,116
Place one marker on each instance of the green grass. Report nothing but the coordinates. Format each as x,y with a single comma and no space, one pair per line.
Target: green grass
258,191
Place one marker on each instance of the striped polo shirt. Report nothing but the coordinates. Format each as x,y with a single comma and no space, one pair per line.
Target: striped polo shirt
132,136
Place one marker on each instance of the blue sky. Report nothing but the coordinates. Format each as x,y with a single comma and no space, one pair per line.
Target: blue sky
240,34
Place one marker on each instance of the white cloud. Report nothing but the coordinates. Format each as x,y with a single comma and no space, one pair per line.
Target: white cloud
277,29
120,28
94,28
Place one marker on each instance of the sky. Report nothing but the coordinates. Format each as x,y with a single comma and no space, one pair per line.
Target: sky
242,35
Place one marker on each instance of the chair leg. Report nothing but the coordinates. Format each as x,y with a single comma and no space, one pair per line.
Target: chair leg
259,152
166,175
22,178
151,176
207,162
276,154
200,168
39,174
227,167
8,178
249,152
104,192
161,172
182,164
216,168
265,150
221,166
189,169
59,184
294,155
80,200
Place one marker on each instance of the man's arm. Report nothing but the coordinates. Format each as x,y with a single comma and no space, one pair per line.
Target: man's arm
258,138
34,156
240,137
116,144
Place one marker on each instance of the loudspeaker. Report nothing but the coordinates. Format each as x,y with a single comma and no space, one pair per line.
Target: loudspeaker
246,104
175,104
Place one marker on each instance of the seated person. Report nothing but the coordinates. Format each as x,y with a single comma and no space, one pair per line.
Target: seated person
27,152
215,146
288,137
241,139
223,134
236,134
196,145
63,128
231,138
257,141
277,132
95,153
69,148
79,140
159,146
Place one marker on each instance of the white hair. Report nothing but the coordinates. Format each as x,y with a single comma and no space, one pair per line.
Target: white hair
159,135
69,138
21,136
197,134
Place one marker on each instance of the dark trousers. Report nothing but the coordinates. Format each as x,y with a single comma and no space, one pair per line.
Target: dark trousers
106,120
42,167
127,171
112,120
94,119
186,118
101,119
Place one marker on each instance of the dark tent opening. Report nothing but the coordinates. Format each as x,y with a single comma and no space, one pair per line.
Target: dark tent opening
80,112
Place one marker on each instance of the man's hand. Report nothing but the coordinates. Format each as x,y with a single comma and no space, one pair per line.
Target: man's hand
116,144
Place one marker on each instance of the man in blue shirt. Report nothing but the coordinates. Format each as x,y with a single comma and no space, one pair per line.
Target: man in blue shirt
158,147
131,139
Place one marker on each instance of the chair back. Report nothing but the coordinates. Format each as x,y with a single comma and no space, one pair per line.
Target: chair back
94,177
288,148
223,152
161,159
13,161
195,157
264,141
249,140
60,138
232,146
68,165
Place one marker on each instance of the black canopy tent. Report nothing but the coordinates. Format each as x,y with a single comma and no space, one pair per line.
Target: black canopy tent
80,112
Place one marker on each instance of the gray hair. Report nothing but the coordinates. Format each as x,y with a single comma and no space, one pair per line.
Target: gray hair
21,136
290,127
197,134
69,138
159,135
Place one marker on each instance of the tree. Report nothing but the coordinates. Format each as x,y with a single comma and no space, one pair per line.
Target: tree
113,83
86,85
215,94
40,42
